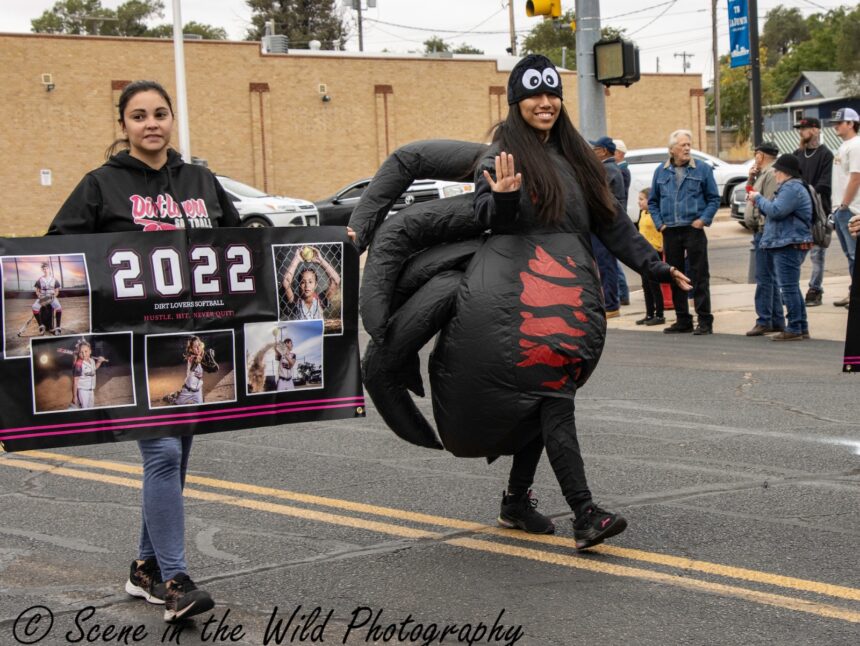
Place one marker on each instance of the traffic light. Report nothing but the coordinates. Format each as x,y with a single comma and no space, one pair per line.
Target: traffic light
551,8
616,62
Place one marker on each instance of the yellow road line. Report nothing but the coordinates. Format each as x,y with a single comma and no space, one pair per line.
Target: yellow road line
385,528
780,601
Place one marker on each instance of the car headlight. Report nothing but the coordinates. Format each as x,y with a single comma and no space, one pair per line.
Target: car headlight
456,189
281,208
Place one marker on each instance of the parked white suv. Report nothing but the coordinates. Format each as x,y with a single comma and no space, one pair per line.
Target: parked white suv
259,209
642,163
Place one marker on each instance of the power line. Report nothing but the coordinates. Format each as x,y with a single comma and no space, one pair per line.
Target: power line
660,15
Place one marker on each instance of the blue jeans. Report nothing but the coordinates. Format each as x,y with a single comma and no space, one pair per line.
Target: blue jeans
849,244
162,534
787,261
607,264
816,256
623,289
768,304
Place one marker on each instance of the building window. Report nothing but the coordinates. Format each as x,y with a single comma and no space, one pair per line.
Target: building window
807,90
798,115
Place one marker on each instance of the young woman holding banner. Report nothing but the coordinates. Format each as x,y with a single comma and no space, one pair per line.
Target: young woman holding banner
148,187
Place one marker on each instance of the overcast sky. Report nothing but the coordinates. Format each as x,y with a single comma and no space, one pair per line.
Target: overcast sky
660,28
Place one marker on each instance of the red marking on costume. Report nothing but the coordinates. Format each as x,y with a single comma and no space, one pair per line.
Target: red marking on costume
546,265
538,292
547,326
545,355
580,316
556,385
570,262
525,343
567,346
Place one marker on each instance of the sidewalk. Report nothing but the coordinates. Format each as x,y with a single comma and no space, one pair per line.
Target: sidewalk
734,312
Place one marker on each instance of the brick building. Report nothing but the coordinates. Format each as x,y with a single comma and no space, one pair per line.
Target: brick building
261,118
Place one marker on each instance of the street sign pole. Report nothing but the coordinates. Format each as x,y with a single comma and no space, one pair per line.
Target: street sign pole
592,106
755,71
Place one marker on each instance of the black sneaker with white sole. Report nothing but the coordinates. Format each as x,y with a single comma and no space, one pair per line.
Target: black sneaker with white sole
595,525
183,599
144,581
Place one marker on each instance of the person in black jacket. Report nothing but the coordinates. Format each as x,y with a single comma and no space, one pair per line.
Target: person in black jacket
816,169
148,187
531,307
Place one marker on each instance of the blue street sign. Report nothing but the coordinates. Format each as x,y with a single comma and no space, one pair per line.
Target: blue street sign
739,33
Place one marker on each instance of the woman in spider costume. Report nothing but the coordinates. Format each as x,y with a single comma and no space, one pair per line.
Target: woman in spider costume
507,279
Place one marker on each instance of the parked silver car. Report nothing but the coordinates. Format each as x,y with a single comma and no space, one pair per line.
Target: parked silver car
259,209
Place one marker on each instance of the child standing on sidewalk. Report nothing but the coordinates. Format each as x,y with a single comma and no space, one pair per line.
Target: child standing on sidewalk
651,289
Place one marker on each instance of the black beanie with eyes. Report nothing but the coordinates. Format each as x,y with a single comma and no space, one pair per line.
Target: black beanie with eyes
534,74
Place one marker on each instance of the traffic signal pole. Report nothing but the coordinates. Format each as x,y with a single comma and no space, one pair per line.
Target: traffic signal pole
755,74
592,105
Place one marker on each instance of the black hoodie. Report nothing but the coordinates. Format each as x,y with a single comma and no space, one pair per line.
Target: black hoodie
126,194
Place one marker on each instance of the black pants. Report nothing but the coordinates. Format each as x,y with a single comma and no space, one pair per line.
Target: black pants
558,435
678,241
653,297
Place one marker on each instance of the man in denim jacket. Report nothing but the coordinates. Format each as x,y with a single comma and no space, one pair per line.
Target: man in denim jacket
684,200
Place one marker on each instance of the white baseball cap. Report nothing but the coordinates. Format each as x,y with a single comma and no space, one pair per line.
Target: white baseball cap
845,114
620,145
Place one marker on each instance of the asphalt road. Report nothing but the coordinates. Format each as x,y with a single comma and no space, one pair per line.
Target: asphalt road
738,470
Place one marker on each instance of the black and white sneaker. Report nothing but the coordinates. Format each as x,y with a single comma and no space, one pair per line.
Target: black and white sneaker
183,599
144,581
595,525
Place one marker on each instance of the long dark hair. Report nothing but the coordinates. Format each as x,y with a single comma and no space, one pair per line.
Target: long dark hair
130,90
540,178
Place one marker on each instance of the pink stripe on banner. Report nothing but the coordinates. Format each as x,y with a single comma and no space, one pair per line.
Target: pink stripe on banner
183,422
854,358
850,363
359,401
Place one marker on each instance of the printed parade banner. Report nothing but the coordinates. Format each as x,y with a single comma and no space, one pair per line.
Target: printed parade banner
125,336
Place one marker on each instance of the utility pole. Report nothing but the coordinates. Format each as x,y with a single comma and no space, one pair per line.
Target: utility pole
755,72
357,6
718,134
592,106
512,27
685,56
181,94
658,65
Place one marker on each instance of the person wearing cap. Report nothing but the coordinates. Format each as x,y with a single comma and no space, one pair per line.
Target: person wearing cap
623,166
816,169
541,192
604,148
845,195
786,239
684,200
768,304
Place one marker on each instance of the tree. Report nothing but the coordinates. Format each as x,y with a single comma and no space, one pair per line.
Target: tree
783,29
848,54
436,44
550,36
467,49
70,17
207,32
300,20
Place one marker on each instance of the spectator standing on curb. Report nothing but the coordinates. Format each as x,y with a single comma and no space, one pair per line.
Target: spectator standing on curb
650,288
816,169
620,154
846,184
684,200
606,262
786,239
768,304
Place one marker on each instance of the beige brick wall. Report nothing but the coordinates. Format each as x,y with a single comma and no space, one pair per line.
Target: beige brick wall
260,118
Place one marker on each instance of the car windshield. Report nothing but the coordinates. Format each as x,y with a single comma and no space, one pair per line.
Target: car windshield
239,188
